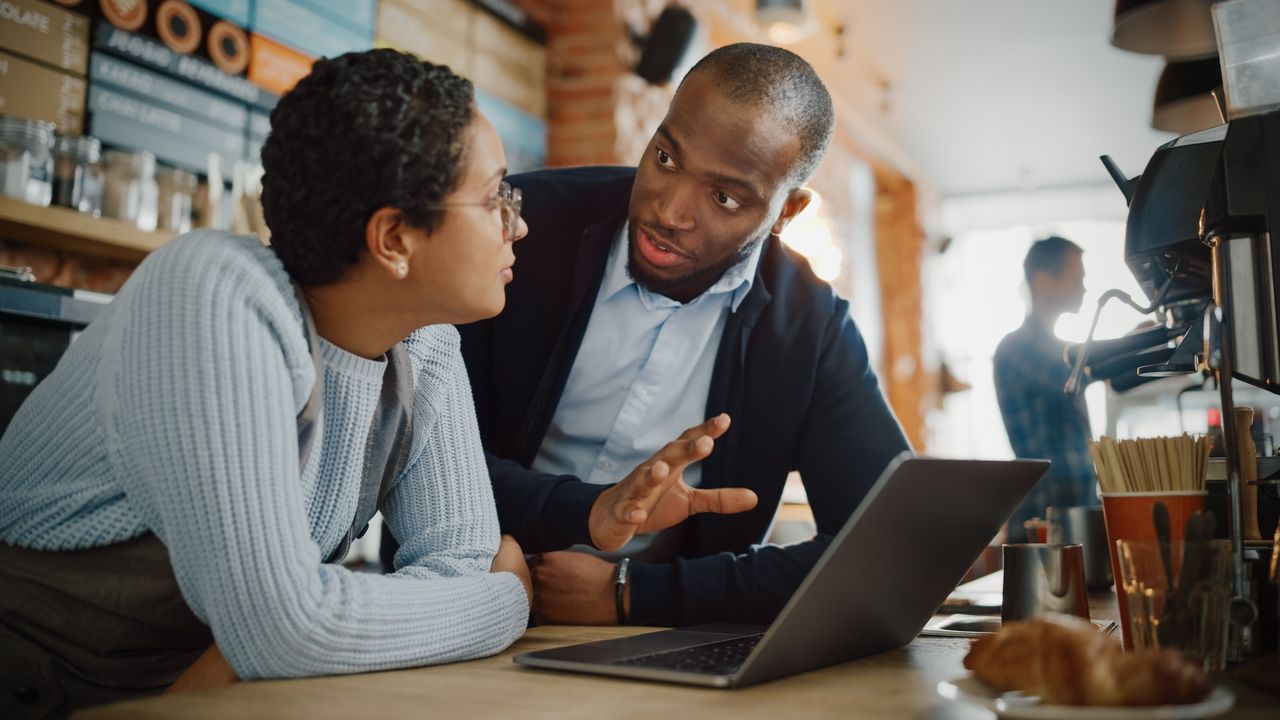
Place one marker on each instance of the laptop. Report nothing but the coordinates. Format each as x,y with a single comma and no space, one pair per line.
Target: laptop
884,574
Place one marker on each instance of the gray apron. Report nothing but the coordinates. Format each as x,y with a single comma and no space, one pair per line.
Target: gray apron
91,626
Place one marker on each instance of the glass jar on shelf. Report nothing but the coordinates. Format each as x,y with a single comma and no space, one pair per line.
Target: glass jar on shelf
77,173
129,190
177,189
26,160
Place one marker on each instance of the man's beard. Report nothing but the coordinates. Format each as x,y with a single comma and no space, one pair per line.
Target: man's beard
685,287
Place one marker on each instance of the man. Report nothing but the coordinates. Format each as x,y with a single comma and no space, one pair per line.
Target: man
647,299
1030,372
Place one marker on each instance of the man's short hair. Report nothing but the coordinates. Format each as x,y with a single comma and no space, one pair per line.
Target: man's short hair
770,77
1048,255
363,131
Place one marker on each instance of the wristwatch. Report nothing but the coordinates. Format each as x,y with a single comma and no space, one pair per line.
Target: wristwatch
620,589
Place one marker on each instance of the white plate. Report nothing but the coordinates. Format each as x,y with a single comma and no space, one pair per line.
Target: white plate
1017,707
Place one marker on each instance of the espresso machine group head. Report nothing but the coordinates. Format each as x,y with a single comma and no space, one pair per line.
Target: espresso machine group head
1166,252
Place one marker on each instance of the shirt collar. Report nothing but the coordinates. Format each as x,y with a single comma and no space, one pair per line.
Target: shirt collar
736,280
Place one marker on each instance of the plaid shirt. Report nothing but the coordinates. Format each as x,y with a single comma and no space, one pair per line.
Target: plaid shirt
1044,422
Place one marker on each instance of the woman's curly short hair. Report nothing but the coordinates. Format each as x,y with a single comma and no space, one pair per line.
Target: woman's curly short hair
363,131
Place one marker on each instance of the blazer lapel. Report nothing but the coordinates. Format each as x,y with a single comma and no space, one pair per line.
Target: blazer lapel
708,532
588,273
726,394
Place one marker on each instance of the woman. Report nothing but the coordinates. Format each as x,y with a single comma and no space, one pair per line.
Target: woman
239,412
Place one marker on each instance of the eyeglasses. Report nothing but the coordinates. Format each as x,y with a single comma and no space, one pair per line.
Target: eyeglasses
508,203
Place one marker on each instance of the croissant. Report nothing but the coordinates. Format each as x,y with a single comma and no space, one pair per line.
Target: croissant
1066,661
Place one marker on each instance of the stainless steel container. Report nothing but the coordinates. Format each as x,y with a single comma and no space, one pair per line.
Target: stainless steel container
1041,578
1084,526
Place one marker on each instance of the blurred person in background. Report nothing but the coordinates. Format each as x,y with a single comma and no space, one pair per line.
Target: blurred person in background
1031,370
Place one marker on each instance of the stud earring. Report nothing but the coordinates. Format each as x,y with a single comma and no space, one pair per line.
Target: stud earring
402,269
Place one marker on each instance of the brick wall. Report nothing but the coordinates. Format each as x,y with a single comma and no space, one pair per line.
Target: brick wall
912,389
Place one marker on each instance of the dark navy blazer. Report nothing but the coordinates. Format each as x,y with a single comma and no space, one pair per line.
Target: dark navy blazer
791,370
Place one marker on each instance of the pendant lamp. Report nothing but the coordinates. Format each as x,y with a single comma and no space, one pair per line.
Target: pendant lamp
1176,29
1184,103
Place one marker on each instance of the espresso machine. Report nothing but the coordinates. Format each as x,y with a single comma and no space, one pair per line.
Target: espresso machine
1201,239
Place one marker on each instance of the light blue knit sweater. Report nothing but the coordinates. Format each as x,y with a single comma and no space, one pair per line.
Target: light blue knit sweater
174,412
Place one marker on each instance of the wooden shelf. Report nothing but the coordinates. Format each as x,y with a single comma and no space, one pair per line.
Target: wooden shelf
65,229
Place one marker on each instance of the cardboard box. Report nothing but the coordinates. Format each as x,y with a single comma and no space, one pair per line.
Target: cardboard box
274,67
28,90
167,92
300,27
46,33
197,71
121,120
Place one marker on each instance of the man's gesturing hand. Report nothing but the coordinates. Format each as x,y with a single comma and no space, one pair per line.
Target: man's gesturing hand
655,497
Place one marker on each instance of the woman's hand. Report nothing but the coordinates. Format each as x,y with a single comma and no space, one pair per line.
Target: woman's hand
510,558
210,670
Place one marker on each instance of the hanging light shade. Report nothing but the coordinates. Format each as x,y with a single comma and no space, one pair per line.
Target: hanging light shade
784,21
1183,102
1177,29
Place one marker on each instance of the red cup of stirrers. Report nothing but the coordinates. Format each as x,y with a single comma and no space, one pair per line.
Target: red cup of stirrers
1134,475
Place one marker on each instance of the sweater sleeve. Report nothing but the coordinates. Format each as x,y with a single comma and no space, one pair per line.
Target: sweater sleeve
443,508
203,372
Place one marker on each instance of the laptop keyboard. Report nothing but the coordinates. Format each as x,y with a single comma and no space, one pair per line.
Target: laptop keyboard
714,658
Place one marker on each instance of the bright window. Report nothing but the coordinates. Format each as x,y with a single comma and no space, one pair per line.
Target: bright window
975,295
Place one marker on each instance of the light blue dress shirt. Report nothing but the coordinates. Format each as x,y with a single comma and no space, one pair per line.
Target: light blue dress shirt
642,373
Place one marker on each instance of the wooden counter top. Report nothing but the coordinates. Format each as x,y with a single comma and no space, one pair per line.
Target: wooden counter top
897,684
891,685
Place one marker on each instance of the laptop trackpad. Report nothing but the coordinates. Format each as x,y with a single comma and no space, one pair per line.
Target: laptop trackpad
604,651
